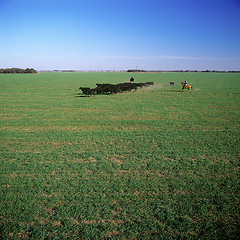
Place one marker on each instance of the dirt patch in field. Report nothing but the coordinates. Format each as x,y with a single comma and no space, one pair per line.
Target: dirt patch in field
13,175
117,160
57,223
91,222
51,128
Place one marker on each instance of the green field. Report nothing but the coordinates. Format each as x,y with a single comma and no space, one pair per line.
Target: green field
157,163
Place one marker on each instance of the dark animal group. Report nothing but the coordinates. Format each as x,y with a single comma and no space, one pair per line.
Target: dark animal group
114,88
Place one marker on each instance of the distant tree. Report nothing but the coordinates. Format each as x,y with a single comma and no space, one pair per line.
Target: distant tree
17,70
135,70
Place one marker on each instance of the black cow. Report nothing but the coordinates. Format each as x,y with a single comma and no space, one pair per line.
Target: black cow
88,91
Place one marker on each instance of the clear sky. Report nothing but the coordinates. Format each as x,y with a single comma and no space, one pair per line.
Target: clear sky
120,34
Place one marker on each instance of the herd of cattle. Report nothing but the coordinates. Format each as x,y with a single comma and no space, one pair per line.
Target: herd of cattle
113,88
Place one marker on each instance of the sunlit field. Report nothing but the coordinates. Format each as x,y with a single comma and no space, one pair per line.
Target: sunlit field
156,163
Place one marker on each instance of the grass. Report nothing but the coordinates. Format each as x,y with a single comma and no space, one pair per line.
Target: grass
154,164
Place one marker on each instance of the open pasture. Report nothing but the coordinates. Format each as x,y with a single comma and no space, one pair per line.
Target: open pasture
157,163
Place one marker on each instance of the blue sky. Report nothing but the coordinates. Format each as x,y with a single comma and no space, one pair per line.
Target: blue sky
120,34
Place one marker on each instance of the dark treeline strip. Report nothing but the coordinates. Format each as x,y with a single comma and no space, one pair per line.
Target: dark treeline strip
208,71
17,70
135,70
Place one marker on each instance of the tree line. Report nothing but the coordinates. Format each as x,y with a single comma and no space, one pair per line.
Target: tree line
18,70
199,71
135,70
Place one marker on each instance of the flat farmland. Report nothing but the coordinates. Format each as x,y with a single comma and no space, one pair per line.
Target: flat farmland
157,163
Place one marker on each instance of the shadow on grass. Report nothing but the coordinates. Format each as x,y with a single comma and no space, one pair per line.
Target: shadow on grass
82,95
162,90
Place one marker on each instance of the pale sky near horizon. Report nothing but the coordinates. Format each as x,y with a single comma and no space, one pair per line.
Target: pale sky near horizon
120,34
